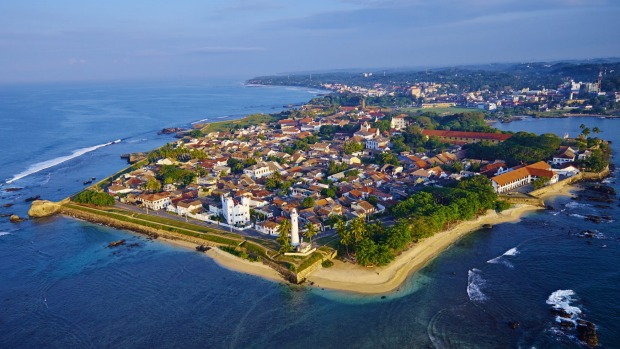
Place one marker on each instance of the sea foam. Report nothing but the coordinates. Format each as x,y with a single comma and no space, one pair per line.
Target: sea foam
475,282
512,252
59,160
562,299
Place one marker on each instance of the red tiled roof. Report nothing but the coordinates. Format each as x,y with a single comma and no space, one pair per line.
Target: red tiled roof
464,134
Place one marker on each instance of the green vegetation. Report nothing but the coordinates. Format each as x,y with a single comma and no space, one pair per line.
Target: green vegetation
352,147
252,119
307,202
172,174
540,182
420,216
311,231
283,239
522,147
96,198
598,160
314,257
334,167
327,263
502,205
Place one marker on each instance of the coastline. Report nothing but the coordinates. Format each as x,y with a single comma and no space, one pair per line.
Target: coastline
230,262
356,279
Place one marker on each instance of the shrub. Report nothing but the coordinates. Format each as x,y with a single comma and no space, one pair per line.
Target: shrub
94,198
327,263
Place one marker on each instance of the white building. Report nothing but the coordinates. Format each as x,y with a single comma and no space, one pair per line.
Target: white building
155,201
236,212
259,170
399,122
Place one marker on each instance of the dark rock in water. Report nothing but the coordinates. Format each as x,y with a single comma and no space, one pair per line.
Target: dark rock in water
202,248
514,324
561,313
566,324
586,332
383,297
16,219
9,205
487,226
33,198
169,130
116,243
12,189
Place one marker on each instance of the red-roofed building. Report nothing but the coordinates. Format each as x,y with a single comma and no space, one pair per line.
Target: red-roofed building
462,137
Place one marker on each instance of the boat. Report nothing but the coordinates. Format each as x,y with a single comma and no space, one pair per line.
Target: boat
87,182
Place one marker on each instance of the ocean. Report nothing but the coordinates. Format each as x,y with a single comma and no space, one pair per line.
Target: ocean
60,287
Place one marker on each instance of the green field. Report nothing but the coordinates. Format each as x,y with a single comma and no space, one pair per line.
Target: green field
253,119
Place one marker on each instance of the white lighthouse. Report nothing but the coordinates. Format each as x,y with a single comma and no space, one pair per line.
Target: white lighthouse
294,228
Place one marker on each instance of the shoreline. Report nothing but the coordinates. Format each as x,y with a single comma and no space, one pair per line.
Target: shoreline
230,262
380,280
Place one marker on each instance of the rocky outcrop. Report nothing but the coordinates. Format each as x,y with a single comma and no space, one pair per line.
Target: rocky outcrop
43,208
16,219
586,332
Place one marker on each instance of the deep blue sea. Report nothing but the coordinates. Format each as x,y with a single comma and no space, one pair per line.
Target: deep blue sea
61,288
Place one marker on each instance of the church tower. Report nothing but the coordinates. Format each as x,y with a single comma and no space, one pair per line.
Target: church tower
294,228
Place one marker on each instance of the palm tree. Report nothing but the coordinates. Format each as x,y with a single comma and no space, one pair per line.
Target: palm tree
582,126
344,234
283,239
311,231
596,130
586,132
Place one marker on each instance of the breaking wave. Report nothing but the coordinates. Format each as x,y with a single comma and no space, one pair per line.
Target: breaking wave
574,204
497,260
475,283
561,300
2,233
59,160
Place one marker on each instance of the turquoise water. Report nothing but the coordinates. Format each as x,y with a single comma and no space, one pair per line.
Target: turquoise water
60,287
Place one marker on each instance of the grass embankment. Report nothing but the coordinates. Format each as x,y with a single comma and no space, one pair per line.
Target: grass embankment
162,224
251,248
250,120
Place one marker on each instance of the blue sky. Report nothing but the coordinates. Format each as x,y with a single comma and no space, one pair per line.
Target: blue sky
106,40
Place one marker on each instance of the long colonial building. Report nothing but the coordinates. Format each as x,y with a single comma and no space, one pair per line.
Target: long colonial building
521,176
462,137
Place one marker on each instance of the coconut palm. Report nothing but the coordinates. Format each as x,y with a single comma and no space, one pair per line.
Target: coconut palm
582,126
586,132
596,130
311,231
283,239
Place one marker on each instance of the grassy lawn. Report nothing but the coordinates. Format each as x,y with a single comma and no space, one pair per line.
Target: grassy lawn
254,119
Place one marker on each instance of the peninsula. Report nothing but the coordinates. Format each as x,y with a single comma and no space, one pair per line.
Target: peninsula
347,192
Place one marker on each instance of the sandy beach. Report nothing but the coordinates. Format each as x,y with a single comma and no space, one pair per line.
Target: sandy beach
354,278
231,262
